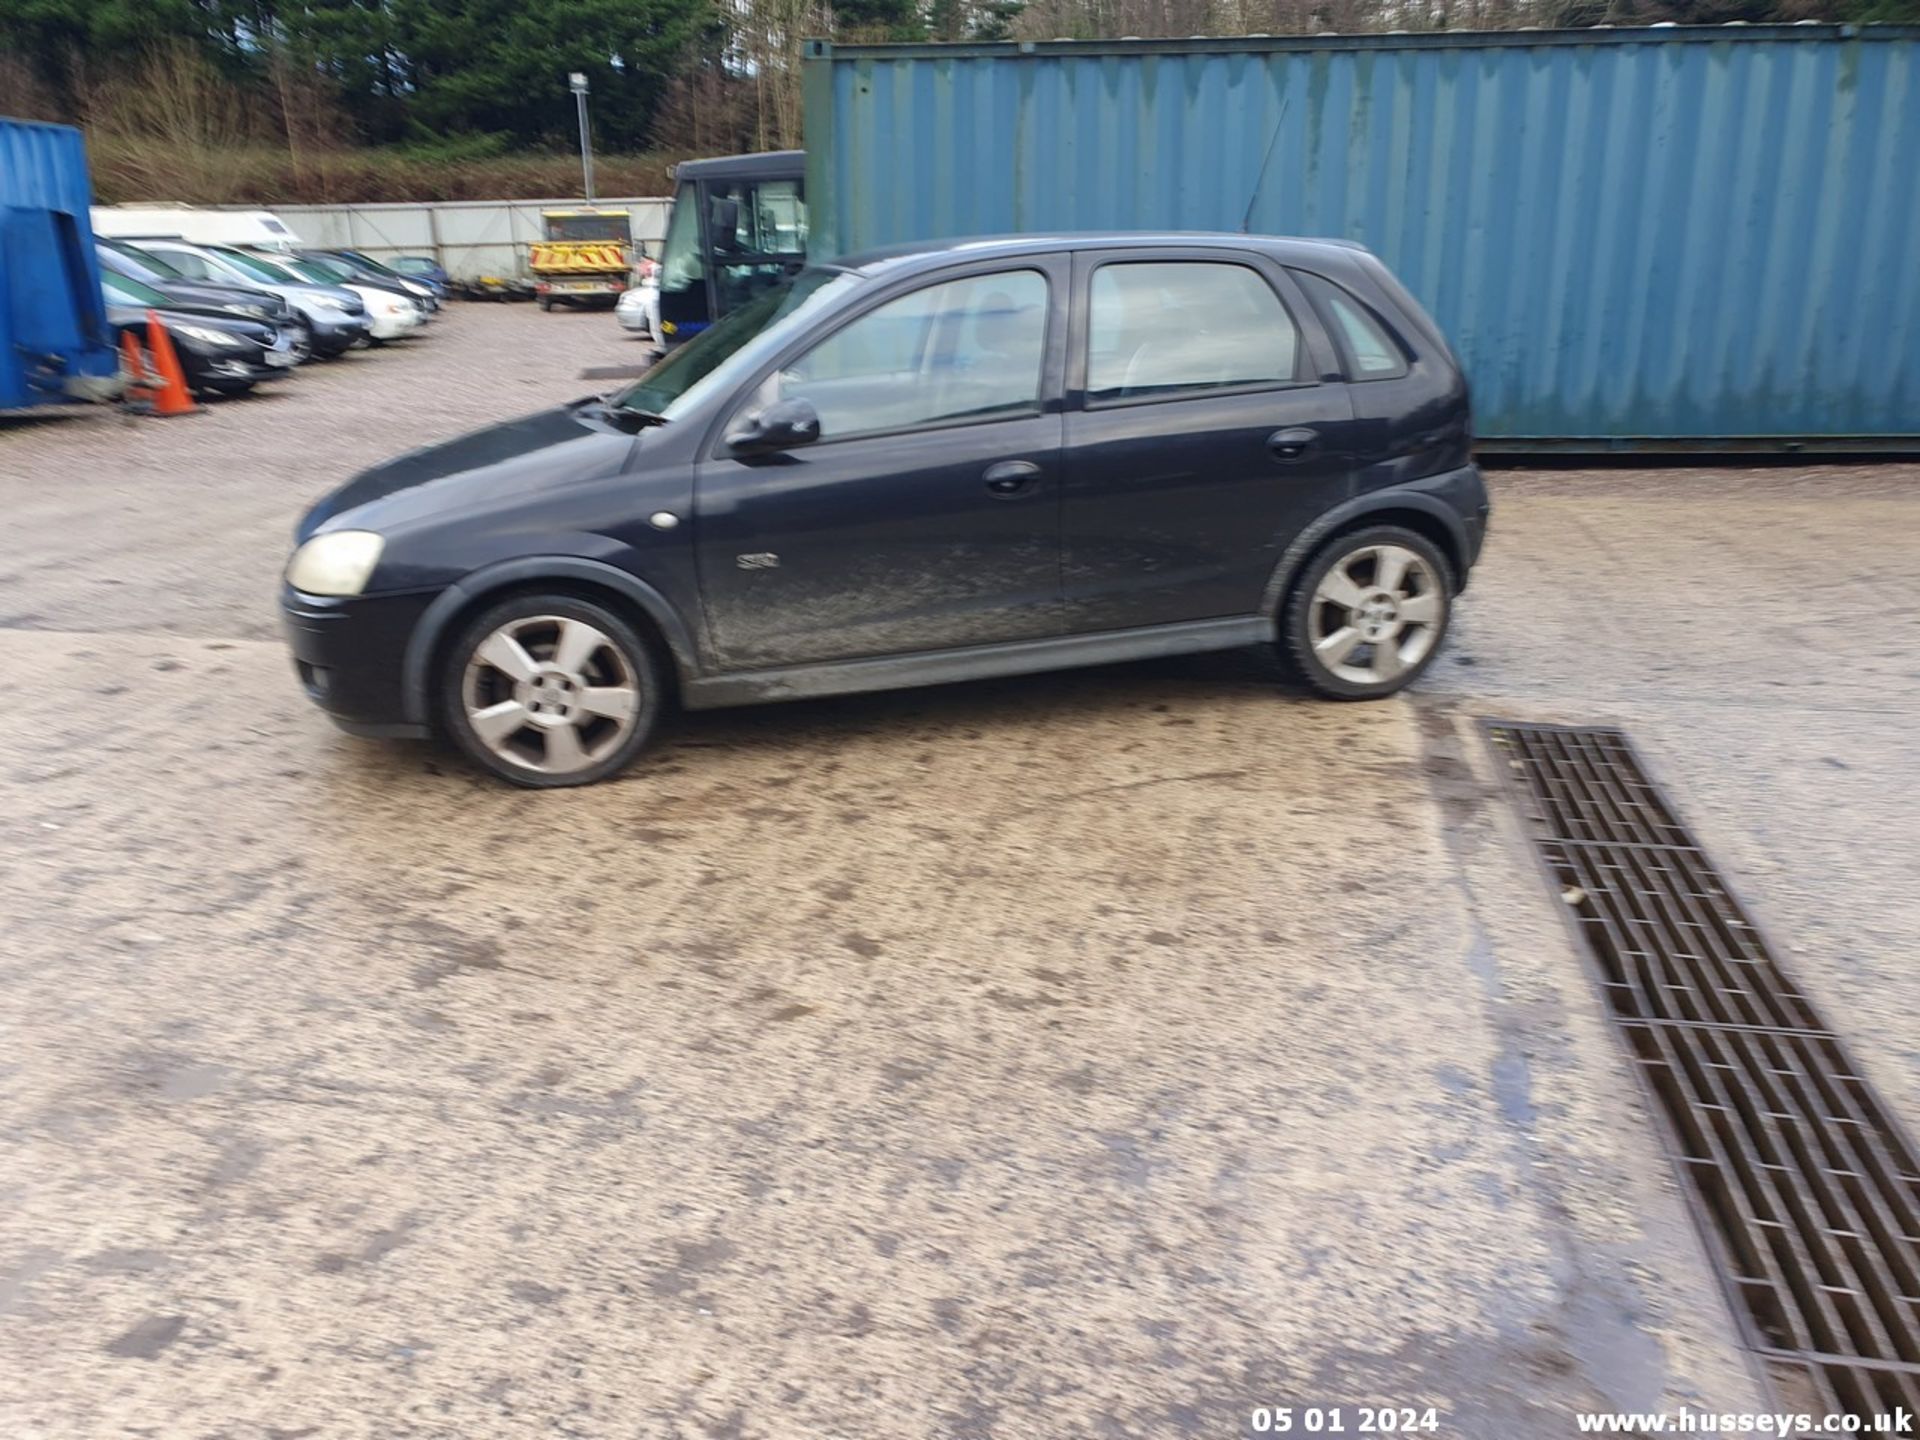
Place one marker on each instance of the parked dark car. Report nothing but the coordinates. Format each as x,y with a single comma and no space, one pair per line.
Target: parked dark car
246,302
220,354
358,269
915,466
425,269
336,318
393,270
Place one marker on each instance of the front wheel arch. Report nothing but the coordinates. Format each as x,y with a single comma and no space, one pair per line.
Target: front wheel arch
650,612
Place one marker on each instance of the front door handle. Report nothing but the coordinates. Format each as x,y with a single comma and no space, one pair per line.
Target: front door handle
1292,443
1011,477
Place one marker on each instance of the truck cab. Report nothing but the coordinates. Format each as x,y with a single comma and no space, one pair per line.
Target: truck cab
738,228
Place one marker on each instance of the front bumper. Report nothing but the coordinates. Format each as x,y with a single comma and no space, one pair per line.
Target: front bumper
350,652
336,335
227,366
393,327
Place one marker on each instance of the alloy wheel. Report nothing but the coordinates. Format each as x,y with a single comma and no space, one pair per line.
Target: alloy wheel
1376,614
550,693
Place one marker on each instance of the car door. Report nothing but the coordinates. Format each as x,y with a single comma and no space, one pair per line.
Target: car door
927,514
1206,425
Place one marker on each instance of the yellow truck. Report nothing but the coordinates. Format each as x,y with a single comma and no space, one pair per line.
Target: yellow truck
585,258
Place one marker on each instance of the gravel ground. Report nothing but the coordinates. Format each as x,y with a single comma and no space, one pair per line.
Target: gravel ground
1099,1054
181,526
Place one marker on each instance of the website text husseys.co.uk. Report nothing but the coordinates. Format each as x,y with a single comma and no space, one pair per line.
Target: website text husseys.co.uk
1689,1422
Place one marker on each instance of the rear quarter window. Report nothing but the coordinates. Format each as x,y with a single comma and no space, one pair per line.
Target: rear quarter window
1368,348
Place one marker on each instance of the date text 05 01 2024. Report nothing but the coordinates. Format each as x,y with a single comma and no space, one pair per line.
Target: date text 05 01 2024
1345,1420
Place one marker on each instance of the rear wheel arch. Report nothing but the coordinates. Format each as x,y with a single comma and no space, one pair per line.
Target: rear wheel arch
1426,517
645,608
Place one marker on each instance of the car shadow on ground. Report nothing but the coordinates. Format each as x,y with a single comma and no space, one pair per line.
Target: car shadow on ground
1178,688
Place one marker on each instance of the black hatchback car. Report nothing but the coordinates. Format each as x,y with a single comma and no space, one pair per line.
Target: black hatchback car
219,354
916,466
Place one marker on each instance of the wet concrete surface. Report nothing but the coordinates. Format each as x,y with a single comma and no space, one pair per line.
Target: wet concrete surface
1096,1054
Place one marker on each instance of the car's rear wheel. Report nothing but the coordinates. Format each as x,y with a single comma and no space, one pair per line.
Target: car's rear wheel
549,690
1369,613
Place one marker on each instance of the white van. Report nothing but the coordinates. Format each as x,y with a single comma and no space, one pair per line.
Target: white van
194,224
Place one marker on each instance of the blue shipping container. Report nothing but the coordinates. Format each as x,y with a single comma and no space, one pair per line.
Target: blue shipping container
55,342
1671,237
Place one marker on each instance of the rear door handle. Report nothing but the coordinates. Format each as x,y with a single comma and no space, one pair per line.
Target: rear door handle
1291,444
1011,477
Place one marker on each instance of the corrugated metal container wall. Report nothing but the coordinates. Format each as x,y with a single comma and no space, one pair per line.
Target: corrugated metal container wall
1677,235
53,322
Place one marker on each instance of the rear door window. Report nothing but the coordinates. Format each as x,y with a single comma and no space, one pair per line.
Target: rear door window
1369,350
1184,327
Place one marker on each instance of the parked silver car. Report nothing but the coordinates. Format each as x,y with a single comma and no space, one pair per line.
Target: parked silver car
335,315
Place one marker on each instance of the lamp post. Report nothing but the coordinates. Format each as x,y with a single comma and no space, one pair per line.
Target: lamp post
577,82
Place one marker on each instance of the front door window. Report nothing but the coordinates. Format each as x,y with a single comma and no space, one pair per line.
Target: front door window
961,351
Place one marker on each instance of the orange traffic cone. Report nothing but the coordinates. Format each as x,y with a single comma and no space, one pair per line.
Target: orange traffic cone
171,398
140,385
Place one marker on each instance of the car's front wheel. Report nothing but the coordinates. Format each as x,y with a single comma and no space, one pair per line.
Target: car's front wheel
1369,612
548,690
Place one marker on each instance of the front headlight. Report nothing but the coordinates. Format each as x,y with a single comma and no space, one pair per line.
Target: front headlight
252,312
219,338
326,302
339,562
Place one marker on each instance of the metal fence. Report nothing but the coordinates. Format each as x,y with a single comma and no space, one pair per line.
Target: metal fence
471,238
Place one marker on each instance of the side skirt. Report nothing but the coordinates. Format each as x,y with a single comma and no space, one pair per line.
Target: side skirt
976,662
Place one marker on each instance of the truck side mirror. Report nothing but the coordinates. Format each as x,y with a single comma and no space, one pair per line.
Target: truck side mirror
783,425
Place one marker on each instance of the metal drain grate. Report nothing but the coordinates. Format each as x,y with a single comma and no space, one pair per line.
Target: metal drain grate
1808,1192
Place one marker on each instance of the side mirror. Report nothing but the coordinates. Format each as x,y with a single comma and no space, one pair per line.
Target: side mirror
783,425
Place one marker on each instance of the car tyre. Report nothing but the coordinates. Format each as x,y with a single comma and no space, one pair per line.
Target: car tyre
546,690
545,304
1368,613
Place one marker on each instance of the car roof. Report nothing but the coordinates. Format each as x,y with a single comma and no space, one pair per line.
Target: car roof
930,254
766,164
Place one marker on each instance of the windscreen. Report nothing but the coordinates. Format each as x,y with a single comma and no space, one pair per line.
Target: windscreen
702,364
143,264
320,272
128,291
680,262
588,227
254,265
